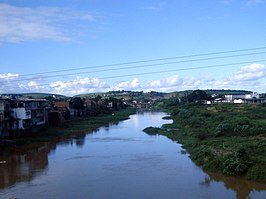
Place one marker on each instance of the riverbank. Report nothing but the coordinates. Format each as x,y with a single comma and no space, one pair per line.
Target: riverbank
72,127
228,139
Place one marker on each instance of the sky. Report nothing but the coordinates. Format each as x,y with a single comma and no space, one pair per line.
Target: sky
73,47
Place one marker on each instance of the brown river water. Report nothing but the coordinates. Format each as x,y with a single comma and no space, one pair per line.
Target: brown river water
118,161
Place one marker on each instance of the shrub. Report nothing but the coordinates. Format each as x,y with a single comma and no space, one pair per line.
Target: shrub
201,155
237,163
224,129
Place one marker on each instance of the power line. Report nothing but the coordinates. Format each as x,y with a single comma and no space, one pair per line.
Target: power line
148,60
143,66
172,70
183,69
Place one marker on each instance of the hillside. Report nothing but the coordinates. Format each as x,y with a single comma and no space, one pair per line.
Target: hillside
34,95
129,95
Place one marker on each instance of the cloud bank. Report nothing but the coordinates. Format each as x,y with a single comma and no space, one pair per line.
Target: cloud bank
248,77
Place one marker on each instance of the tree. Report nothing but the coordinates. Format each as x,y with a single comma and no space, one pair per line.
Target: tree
197,95
76,103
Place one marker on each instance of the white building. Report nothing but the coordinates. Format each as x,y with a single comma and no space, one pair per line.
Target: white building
237,99
28,113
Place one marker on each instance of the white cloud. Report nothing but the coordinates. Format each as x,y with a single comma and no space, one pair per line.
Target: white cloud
192,83
128,85
78,86
20,24
250,77
33,84
251,72
8,76
173,83
168,83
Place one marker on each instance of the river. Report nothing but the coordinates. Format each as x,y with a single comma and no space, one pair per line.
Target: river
118,161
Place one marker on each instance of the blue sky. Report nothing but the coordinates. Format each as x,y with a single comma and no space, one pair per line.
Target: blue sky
39,36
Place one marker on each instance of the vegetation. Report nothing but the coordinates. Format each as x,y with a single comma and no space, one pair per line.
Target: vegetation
197,96
225,138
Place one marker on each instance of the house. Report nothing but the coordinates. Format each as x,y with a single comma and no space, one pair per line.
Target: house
59,113
39,111
29,114
4,117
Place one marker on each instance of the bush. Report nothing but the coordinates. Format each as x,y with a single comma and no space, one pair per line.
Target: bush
224,129
201,155
238,163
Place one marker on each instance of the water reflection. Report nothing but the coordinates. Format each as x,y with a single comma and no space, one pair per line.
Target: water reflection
243,188
22,166
122,159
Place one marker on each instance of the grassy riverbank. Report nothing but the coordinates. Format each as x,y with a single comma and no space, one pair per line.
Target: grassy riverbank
70,128
229,139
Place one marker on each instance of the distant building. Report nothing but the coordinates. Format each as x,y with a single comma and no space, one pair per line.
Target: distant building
29,114
251,98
